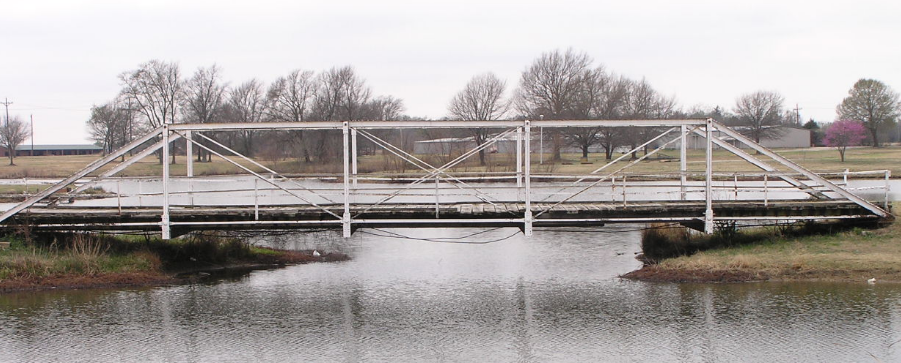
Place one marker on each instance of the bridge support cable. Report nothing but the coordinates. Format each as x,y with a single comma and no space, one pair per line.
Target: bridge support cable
425,166
261,166
270,182
97,164
608,176
764,166
438,171
807,173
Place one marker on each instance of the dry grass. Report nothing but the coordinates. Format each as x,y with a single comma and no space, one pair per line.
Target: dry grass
855,255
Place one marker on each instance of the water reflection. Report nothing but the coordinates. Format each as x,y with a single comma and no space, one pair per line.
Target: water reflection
554,297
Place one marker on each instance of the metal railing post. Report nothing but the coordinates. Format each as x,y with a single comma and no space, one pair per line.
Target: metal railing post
683,163
735,185
167,233
345,218
766,191
527,153
189,153
119,195
708,187
613,188
256,200
888,188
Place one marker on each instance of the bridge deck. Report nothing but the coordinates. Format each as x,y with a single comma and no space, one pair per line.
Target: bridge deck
424,215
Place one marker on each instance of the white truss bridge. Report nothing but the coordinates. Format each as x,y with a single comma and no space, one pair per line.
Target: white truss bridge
773,189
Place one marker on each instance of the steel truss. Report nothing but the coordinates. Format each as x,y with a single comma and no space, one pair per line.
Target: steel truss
345,210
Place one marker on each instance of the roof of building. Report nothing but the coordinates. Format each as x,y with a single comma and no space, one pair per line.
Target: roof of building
59,147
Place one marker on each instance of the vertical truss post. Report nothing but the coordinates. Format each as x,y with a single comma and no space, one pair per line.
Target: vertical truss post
189,153
519,157
708,184
256,199
683,163
345,218
527,216
353,155
167,233
888,188
766,190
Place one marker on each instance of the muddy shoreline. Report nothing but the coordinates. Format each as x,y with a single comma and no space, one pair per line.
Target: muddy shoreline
655,273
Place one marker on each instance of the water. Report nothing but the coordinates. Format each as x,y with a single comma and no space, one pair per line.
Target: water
554,297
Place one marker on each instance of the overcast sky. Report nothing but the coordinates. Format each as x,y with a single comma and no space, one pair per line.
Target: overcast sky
59,58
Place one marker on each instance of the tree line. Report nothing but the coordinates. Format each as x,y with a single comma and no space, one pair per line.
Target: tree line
557,85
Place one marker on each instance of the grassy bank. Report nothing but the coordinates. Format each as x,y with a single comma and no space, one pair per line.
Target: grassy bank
88,261
767,254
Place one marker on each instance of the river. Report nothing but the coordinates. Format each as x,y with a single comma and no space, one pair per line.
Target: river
493,296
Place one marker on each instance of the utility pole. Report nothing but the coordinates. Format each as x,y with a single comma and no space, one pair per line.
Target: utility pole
797,115
6,103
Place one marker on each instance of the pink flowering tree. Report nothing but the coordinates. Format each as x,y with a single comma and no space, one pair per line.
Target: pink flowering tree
845,133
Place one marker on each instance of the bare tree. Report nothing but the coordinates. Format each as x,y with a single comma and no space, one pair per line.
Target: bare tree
481,100
872,103
155,87
383,108
341,96
13,133
112,125
246,104
203,100
290,99
760,114
613,106
551,87
640,104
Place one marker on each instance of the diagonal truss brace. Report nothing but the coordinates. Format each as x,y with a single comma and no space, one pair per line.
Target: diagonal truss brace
121,166
438,171
424,166
809,174
762,165
257,175
97,164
